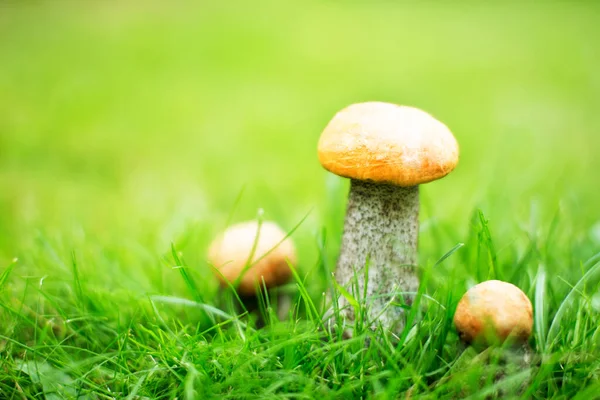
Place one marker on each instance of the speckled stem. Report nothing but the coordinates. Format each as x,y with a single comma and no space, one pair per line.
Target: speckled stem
382,225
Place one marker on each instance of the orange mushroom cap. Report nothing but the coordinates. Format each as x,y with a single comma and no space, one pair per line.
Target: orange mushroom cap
387,143
231,250
494,310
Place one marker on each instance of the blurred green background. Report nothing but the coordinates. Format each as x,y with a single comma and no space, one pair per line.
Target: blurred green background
124,127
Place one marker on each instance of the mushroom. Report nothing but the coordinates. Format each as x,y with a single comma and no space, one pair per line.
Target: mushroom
497,313
386,150
252,254
492,312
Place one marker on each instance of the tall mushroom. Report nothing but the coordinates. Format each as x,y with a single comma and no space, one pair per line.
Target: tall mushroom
251,254
386,150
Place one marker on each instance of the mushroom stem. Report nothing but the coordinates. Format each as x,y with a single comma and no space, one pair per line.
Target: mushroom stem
284,304
251,304
381,229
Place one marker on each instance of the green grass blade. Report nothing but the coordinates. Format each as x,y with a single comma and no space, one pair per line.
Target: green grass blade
77,280
189,303
593,273
249,262
234,207
351,300
485,237
448,254
189,282
6,273
312,311
540,308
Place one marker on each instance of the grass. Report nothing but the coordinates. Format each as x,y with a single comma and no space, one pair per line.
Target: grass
129,138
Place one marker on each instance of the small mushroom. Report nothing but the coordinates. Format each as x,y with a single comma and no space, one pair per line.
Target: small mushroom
270,250
386,150
492,312
497,313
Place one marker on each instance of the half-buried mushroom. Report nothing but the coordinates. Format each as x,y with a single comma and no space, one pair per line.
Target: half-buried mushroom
492,312
252,255
497,317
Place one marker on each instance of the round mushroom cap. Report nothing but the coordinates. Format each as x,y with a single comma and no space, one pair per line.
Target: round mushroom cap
387,143
493,311
231,250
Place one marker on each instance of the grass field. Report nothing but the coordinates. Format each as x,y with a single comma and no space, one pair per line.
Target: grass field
130,137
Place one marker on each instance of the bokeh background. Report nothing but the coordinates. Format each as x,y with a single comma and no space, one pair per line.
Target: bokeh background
127,126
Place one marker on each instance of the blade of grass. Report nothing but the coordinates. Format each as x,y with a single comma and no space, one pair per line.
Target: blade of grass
569,299
351,300
236,203
5,274
189,303
486,237
249,262
448,254
77,281
540,309
312,311
189,282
